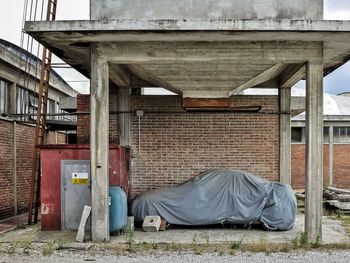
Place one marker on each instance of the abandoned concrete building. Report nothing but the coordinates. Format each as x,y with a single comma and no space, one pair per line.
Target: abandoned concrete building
206,53
18,95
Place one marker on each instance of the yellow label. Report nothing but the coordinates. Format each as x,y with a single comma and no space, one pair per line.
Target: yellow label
80,181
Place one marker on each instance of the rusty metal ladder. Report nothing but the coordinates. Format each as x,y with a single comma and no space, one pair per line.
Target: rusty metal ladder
34,198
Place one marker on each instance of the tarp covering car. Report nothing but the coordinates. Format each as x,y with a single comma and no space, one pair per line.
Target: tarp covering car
221,196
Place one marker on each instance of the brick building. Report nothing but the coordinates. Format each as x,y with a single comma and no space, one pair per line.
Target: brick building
206,52
336,142
18,95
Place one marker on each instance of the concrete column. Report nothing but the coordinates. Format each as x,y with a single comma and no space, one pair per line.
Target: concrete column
314,150
13,98
285,135
123,104
99,118
331,151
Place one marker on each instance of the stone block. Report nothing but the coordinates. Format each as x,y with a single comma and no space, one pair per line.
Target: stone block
151,224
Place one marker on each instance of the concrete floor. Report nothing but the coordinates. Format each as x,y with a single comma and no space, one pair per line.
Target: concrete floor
333,233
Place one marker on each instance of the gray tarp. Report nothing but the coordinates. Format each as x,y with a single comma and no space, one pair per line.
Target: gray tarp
221,196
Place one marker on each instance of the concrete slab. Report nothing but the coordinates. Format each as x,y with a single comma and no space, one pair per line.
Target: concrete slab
11,223
70,40
333,233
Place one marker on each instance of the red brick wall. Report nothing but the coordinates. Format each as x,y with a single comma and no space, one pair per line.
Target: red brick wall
341,165
6,164
24,152
83,121
178,146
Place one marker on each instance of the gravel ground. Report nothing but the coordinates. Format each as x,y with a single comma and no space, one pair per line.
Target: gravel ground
180,257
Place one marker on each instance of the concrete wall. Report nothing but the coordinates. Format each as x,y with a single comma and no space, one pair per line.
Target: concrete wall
177,146
15,186
206,9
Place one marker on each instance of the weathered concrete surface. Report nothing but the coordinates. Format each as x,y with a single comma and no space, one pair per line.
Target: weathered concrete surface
99,123
184,38
334,233
206,9
314,150
285,136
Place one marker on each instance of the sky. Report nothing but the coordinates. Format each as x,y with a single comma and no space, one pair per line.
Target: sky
11,13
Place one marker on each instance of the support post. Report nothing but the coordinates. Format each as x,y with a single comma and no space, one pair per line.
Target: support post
330,152
99,146
314,151
285,135
123,104
13,98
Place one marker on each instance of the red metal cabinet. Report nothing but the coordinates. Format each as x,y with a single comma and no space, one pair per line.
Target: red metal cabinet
51,156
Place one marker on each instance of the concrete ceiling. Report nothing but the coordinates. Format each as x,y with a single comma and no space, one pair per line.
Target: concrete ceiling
71,40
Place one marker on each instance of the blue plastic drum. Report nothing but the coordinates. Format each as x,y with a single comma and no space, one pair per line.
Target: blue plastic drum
118,209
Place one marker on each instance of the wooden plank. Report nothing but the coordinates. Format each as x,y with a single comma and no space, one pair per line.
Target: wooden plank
205,103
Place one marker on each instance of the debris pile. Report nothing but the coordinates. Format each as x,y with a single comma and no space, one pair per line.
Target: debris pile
338,199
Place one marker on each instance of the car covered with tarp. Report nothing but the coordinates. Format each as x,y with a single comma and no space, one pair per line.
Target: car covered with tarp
219,197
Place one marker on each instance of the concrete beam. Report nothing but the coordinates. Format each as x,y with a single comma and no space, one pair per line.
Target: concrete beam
285,135
292,75
99,118
149,77
120,75
203,52
314,150
267,75
291,27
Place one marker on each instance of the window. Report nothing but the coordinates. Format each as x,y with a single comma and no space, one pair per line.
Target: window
51,108
21,101
26,103
297,134
341,134
4,96
325,134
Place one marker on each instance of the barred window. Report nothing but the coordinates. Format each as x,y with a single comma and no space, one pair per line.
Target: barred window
4,96
341,134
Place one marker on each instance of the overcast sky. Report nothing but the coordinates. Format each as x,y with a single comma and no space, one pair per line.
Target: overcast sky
11,12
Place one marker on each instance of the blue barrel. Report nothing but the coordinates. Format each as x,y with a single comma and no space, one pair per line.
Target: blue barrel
118,209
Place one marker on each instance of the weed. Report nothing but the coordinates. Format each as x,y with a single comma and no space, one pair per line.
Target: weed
48,248
234,245
317,243
130,237
303,239
260,246
21,226
154,246
11,250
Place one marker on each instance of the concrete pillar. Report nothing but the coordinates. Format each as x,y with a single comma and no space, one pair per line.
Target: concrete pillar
330,149
314,150
285,135
13,98
99,144
123,104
